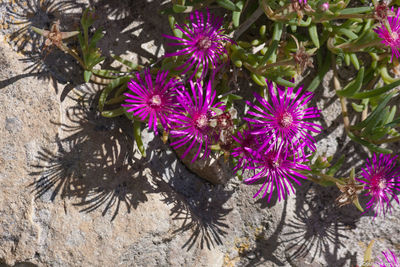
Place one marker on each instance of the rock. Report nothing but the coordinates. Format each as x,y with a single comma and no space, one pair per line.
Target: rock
12,124
213,169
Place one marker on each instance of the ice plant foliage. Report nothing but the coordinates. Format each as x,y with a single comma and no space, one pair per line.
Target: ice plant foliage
390,260
285,118
381,177
203,41
192,125
153,101
389,32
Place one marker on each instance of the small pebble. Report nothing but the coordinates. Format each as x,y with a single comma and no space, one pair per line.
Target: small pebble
251,256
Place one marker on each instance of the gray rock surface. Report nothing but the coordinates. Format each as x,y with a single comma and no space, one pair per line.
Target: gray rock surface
75,192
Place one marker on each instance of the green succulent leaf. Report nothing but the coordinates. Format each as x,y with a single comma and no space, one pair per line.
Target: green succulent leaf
97,36
236,14
138,137
394,123
258,79
228,5
113,113
335,167
172,22
129,64
357,108
369,145
354,61
373,127
312,30
116,100
355,10
86,75
376,92
109,74
374,115
321,73
271,50
178,8
284,82
354,86
109,88
356,203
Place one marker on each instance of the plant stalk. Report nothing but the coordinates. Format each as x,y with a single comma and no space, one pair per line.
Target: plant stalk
343,102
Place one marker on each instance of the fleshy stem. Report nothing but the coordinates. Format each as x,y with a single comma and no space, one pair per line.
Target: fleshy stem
343,102
323,178
388,140
249,22
275,15
350,47
285,62
75,55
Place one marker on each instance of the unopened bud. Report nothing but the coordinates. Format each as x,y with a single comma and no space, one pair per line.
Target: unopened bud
325,6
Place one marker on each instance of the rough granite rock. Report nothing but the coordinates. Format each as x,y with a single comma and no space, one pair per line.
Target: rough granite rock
74,192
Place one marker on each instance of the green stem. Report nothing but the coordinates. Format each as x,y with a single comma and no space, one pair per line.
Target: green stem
286,62
323,177
74,55
331,178
276,16
351,47
343,102
388,140
249,22
342,16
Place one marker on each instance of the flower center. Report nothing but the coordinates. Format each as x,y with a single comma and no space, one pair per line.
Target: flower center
394,35
204,43
382,184
273,162
201,121
155,101
286,120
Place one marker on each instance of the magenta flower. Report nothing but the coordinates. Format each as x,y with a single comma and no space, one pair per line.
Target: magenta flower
153,101
193,124
278,167
389,261
247,147
302,2
382,179
284,118
391,37
203,41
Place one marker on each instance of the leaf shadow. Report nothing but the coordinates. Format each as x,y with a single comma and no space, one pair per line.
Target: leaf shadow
318,228
94,164
198,207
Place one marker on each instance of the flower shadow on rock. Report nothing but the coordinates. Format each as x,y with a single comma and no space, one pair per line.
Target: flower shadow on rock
265,248
40,14
129,31
318,228
94,164
50,63
198,207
